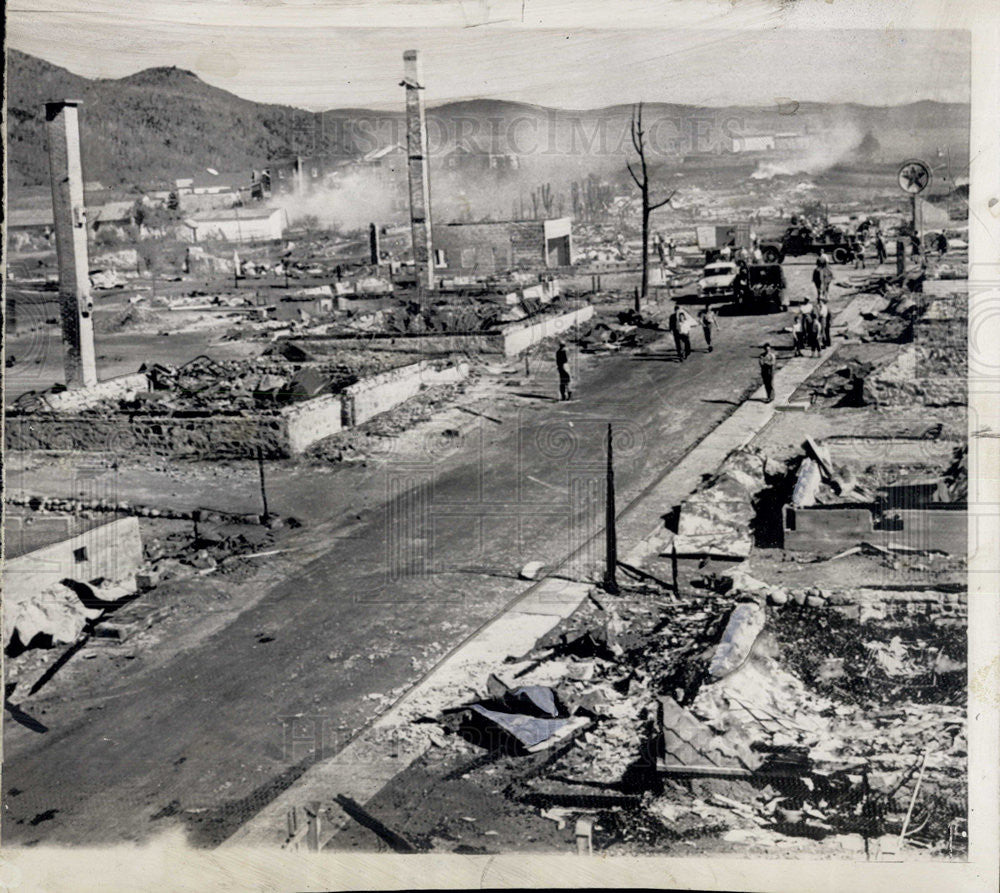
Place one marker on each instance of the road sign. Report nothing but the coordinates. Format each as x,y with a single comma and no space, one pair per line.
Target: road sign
914,177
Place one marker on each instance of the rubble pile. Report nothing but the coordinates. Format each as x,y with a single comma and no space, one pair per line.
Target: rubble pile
906,351
718,518
746,715
263,382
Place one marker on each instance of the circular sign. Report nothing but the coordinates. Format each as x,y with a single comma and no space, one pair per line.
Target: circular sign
914,177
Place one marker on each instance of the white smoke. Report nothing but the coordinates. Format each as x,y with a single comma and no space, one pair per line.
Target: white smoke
827,149
348,202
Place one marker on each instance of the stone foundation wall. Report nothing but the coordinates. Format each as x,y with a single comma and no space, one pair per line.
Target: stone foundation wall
518,337
509,340
195,435
380,393
204,435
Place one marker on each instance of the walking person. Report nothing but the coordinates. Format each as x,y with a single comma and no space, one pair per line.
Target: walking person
562,364
671,248
708,322
680,327
767,371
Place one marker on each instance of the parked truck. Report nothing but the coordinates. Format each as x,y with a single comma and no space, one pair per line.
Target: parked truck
801,240
754,287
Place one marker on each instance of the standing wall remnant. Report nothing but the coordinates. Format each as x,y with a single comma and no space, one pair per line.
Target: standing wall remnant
62,127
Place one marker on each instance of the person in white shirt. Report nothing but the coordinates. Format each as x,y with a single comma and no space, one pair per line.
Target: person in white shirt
680,326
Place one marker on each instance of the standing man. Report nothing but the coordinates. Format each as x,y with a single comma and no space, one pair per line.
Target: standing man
798,332
659,247
671,248
880,251
814,329
825,320
708,322
741,284
562,364
822,277
675,330
767,371
859,251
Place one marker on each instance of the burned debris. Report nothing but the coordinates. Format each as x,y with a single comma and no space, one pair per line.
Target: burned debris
732,620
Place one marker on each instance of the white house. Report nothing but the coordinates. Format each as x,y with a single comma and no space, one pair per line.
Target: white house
751,142
238,224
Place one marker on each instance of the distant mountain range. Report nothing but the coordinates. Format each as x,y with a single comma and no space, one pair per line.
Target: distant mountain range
164,123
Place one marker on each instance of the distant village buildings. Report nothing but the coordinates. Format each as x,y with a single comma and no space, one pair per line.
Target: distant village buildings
765,142
248,224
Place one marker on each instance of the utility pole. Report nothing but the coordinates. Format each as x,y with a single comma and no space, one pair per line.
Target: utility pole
610,534
263,483
62,124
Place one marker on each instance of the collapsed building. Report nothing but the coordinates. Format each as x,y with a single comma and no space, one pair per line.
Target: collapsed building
61,572
498,247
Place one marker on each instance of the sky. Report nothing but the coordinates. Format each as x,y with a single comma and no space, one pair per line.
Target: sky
321,54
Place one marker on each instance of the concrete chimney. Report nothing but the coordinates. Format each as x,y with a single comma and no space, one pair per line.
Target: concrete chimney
62,123
419,173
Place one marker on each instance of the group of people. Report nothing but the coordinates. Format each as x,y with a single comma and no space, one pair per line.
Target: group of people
743,256
681,325
811,327
868,239
665,249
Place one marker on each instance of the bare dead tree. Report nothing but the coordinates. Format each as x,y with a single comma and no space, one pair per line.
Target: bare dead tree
648,206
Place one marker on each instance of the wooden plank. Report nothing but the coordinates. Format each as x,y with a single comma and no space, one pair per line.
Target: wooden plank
357,812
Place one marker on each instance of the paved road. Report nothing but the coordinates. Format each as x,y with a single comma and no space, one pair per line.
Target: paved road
216,732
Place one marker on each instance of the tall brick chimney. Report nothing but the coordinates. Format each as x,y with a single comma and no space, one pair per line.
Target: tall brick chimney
418,170
62,125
